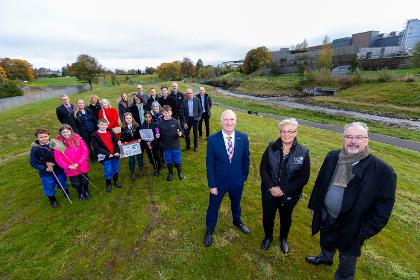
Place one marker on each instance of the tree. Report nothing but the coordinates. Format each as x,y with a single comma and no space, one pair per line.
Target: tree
324,58
302,46
86,68
187,68
326,40
65,70
169,71
206,73
198,65
3,75
18,69
415,59
150,70
256,58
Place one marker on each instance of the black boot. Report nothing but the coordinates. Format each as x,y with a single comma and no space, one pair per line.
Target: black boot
116,182
86,191
53,201
66,191
140,172
170,168
132,176
108,185
178,167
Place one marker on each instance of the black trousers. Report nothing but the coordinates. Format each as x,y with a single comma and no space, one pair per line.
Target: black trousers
285,205
81,183
205,116
347,263
194,125
87,139
154,157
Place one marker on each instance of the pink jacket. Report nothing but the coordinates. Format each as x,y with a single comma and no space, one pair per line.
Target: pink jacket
73,154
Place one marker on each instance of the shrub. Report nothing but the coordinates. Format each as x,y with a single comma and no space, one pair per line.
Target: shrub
409,79
384,75
9,89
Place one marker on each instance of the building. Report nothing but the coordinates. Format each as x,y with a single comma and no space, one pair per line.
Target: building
232,64
44,72
389,40
341,43
411,34
364,39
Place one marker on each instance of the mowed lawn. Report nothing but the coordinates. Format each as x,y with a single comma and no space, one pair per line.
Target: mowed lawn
152,229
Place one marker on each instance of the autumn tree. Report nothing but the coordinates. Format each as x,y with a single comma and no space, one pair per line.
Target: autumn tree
256,58
324,58
3,75
169,71
187,68
18,69
206,73
86,68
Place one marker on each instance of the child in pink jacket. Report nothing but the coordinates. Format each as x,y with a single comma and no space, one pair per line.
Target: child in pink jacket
72,155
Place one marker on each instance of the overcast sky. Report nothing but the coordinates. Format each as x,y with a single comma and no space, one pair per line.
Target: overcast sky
136,34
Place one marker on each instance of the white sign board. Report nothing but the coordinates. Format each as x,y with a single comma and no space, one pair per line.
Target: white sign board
130,149
147,134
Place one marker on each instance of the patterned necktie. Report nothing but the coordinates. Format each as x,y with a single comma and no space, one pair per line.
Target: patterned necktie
230,148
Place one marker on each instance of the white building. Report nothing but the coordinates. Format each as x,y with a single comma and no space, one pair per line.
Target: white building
412,34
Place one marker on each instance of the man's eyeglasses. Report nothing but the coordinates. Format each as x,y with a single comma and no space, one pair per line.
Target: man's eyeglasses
357,137
287,132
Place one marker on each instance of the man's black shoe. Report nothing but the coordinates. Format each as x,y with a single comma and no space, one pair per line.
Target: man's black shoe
266,243
208,239
243,228
317,260
284,246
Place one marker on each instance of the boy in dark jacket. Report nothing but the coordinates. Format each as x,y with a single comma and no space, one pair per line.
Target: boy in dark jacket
105,146
42,158
169,133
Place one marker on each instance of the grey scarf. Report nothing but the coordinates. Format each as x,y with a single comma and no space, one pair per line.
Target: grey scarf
344,166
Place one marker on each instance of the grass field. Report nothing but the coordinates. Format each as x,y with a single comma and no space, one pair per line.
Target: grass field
151,229
55,82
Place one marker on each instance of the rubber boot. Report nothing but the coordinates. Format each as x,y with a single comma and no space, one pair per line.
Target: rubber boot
132,176
53,201
178,167
140,172
108,187
116,182
170,168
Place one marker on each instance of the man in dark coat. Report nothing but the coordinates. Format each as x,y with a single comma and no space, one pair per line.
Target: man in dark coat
351,201
65,113
179,97
167,99
227,163
205,103
192,114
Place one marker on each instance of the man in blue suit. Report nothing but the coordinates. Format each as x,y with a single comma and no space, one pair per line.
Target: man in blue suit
227,164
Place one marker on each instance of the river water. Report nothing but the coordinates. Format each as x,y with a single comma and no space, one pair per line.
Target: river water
286,101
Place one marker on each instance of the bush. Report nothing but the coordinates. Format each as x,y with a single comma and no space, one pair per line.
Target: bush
384,75
409,79
320,77
9,89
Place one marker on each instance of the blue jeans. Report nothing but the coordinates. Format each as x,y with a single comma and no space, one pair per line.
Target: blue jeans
49,183
111,167
132,161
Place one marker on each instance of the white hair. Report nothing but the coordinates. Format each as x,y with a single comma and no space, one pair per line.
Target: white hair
360,124
291,121
227,111
106,101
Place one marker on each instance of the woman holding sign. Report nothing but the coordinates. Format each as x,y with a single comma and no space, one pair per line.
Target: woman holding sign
130,133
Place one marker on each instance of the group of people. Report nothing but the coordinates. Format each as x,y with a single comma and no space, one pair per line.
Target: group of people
98,131
351,201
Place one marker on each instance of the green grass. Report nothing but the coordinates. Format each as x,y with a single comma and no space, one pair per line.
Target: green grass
55,82
394,98
110,236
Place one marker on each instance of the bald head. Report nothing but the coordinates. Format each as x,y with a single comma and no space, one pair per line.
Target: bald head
228,121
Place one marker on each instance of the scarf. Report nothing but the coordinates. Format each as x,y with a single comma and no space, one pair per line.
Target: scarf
344,166
141,113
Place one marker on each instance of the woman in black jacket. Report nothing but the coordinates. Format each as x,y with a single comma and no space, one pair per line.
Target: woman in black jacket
86,122
138,108
284,169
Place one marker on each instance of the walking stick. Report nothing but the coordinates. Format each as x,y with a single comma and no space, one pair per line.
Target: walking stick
64,191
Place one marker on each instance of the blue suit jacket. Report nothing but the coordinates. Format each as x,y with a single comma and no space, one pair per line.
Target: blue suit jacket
221,173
